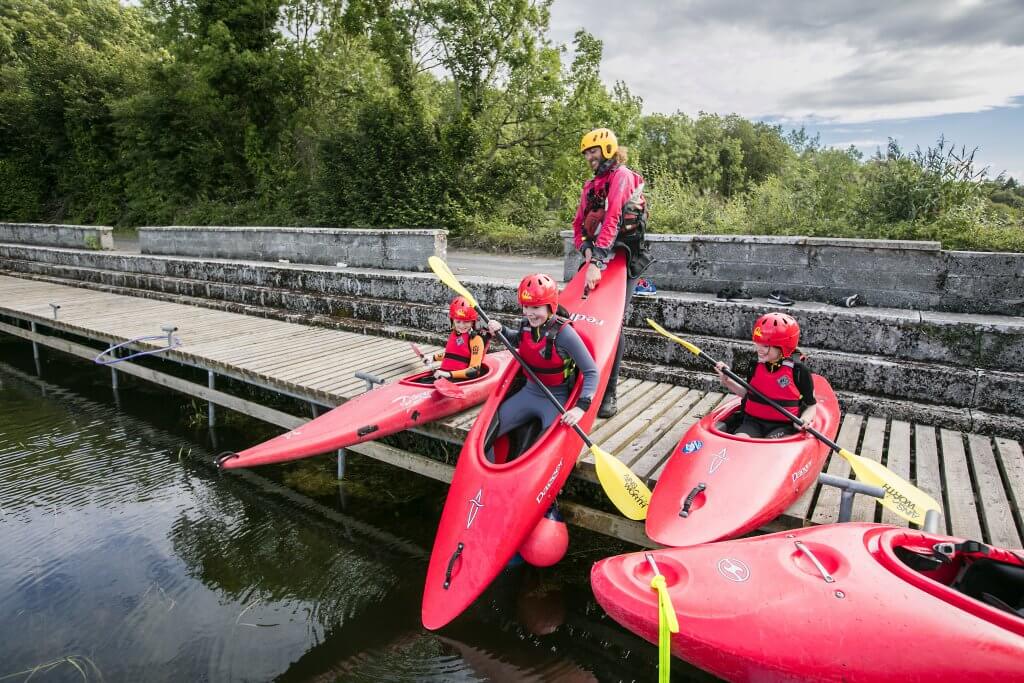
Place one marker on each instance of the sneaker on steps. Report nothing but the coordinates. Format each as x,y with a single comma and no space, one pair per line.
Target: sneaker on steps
644,287
780,299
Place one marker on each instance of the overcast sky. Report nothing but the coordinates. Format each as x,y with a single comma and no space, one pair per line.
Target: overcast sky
857,72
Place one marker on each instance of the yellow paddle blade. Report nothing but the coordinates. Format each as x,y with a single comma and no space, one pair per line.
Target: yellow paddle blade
902,497
695,350
624,488
444,273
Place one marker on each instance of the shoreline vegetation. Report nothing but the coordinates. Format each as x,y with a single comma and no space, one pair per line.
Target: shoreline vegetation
434,113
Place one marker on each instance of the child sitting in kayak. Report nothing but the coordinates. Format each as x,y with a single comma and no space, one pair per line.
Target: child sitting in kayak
463,355
555,352
779,375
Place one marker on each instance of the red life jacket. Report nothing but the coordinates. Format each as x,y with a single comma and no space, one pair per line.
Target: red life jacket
456,351
634,212
541,356
779,386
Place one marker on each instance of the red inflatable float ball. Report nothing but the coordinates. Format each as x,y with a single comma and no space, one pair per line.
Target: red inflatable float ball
547,543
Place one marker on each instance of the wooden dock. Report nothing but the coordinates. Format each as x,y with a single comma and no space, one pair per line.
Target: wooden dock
979,479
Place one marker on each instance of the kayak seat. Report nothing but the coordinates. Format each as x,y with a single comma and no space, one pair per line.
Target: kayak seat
995,583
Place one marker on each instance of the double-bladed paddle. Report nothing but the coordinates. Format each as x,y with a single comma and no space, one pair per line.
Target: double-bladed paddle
623,488
902,497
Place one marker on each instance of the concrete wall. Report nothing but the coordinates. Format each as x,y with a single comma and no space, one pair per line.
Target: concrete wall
394,249
889,273
50,235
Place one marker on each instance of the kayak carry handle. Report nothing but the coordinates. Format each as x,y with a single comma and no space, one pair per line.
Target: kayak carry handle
685,510
451,564
817,563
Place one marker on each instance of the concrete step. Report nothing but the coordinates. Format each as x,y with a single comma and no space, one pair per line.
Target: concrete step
964,340
856,374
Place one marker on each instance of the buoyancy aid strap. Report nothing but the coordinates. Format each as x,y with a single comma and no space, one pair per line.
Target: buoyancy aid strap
784,402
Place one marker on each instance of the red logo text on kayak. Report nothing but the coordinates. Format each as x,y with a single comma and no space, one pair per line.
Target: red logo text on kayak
734,570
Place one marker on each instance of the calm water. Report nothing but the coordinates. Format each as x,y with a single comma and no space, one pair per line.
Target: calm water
127,557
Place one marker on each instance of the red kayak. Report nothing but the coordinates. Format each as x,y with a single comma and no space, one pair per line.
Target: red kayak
388,409
491,508
718,485
841,602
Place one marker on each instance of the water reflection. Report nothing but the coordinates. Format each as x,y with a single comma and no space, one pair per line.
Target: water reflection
127,557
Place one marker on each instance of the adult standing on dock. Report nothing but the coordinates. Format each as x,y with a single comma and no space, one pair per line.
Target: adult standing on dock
611,218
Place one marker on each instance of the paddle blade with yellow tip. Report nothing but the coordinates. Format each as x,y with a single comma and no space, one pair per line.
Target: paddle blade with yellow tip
445,274
695,350
629,495
901,497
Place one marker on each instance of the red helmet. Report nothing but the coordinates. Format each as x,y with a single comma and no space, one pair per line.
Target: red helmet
461,310
777,329
538,289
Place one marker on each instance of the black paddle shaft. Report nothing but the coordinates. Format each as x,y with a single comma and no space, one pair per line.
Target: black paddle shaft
792,418
532,375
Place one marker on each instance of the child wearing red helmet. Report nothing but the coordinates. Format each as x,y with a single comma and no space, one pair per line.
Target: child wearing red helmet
463,355
779,375
555,352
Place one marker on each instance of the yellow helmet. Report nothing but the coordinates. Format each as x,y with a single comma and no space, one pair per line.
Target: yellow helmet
603,138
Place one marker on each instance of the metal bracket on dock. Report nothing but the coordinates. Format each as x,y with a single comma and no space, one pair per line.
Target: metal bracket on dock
172,342
850,488
369,379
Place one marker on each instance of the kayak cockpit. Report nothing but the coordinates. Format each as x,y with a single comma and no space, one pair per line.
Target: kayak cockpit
982,580
526,439
427,376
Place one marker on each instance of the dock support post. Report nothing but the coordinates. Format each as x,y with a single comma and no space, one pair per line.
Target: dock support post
211,383
113,371
35,346
341,464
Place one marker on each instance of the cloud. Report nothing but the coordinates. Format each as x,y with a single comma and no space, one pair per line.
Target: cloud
803,61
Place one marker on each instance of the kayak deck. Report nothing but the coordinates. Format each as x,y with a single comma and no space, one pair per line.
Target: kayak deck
982,476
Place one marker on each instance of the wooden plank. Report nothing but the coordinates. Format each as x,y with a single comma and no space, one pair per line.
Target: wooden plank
346,385
631,406
660,451
963,510
1012,462
679,400
316,349
999,526
826,509
339,356
897,459
341,379
640,428
624,426
865,508
926,460
191,388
